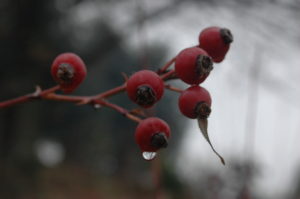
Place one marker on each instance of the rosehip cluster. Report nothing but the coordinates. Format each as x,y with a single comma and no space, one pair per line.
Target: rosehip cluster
193,66
145,88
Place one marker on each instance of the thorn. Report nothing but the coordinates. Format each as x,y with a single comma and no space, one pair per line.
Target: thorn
125,76
84,101
138,112
37,91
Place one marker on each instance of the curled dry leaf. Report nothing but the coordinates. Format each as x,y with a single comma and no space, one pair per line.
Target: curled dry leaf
203,127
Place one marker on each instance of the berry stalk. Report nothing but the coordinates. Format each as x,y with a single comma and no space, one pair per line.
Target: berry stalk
64,98
169,75
111,92
166,66
101,102
119,109
173,88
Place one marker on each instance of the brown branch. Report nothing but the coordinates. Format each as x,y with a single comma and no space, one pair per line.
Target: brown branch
169,75
166,66
81,100
102,102
49,94
64,98
138,112
111,92
119,109
173,88
25,98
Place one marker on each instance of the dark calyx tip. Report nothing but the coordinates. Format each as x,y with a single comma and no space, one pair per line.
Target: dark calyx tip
65,72
145,95
226,35
204,65
202,110
159,140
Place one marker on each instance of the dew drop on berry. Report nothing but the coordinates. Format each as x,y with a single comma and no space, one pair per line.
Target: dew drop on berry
149,155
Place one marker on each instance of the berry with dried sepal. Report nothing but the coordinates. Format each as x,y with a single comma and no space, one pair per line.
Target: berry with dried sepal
68,70
145,88
216,42
195,102
152,134
193,65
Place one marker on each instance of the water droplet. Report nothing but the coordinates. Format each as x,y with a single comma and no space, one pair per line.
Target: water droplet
97,106
149,155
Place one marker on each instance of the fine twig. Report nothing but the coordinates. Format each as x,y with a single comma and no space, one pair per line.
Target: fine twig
119,109
37,94
173,88
166,66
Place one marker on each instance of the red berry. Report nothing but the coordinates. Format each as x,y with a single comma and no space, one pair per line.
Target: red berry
195,102
152,134
193,65
145,88
68,70
216,42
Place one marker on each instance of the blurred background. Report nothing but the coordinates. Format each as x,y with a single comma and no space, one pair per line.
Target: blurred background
58,150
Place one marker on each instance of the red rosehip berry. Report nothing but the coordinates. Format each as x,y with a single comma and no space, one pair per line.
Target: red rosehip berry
68,70
145,88
216,42
193,65
152,134
195,102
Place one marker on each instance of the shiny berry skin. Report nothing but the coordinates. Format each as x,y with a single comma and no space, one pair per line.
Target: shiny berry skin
216,42
152,134
145,88
195,102
68,70
193,65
